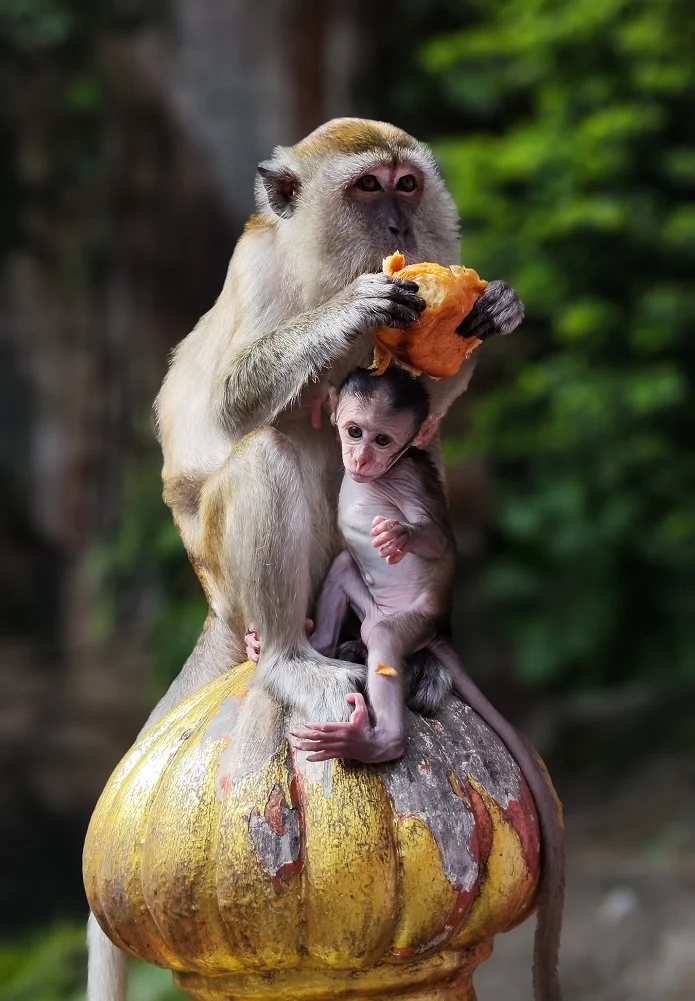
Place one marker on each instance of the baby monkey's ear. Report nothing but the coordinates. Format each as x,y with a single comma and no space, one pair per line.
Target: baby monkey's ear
428,430
333,402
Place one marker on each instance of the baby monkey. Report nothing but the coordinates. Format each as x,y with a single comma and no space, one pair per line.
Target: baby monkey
397,575
392,506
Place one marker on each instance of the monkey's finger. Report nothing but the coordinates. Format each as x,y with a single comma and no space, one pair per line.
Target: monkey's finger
403,283
380,523
400,315
499,310
315,730
318,745
324,756
394,558
392,545
382,539
395,540
360,713
415,302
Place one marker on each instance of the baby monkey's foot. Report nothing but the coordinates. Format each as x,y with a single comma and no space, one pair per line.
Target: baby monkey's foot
357,739
253,642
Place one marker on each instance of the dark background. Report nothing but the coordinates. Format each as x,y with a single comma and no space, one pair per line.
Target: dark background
130,131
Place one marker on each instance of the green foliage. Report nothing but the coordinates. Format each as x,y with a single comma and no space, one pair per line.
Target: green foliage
143,578
51,966
36,25
574,170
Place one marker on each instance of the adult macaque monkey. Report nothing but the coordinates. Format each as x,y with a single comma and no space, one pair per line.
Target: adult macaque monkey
251,484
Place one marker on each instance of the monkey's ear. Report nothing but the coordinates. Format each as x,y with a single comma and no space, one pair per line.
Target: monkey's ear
281,187
333,402
429,428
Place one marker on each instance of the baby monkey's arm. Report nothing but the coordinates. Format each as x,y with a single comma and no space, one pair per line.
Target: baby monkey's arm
421,536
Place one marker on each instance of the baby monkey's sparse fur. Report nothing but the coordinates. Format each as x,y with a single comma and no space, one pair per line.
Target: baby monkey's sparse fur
397,575
251,485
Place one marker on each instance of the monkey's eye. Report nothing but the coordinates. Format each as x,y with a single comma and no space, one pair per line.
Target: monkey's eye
407,183
382,439
354,431
368,183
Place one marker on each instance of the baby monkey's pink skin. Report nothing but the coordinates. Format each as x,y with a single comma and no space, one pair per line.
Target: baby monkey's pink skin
386,513
397,574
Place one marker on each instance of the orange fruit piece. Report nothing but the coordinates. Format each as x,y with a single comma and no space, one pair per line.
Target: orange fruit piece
431,344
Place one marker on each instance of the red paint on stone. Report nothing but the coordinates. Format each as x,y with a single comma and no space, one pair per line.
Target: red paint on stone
483,831
522,816
273,811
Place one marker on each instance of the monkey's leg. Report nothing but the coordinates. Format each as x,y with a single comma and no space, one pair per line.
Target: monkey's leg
552,889
257,540
389,641
342,586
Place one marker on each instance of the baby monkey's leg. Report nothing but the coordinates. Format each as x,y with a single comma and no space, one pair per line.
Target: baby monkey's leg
389,640
342,586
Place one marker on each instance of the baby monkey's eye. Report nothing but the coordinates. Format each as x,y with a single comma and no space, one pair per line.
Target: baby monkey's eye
382,439
354,431
407,183
368,183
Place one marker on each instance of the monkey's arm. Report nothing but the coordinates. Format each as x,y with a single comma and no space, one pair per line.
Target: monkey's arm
266,374
421,537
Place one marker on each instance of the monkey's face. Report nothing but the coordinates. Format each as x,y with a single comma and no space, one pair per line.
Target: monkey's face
382,202
375,205
354,192
371,435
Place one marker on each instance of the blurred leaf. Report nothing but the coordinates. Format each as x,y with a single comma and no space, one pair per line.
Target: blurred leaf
574,171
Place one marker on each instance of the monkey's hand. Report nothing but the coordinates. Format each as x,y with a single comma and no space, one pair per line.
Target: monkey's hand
253,642
253,645
392,539
382,301
357,739
499,310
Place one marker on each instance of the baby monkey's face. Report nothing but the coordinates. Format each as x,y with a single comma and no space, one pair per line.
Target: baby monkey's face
370,434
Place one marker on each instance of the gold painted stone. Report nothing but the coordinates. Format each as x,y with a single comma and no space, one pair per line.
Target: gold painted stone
218,851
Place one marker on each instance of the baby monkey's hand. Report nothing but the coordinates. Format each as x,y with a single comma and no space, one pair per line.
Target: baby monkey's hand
357,739
392,538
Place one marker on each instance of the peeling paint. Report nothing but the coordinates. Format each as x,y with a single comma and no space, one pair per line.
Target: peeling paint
473,748
221,727
224,720
276,835
427,793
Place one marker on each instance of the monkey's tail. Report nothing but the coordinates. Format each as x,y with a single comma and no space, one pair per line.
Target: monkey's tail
546,949
429,682
107,970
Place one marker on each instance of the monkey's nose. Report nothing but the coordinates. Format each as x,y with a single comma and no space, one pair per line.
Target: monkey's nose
400,232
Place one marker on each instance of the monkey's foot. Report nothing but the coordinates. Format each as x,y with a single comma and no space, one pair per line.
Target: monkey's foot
316,687
357,739
253,640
